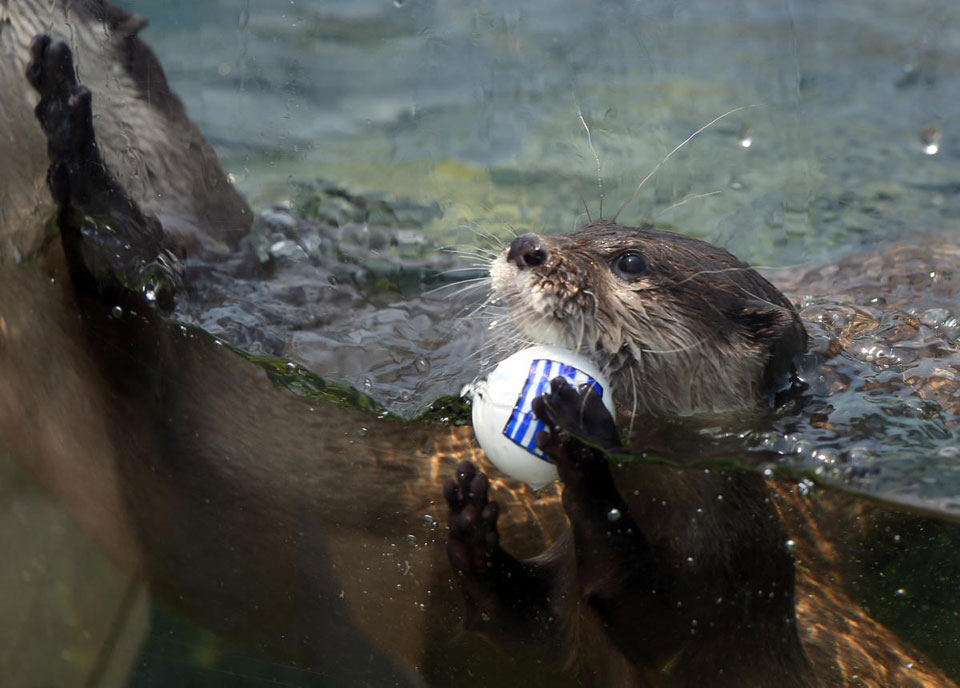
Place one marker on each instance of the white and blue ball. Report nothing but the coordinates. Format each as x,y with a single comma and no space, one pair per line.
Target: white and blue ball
503,419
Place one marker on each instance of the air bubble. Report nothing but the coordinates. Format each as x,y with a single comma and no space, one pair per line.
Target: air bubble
614,515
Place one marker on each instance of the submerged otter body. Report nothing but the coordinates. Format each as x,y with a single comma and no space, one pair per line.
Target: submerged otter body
275,521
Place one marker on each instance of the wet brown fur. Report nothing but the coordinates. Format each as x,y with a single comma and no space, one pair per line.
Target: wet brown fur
699,331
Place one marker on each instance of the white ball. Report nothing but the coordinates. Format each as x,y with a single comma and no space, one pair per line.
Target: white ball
503,420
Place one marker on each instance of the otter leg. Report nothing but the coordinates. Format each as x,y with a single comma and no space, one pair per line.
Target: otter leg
506,598
111,245
609,545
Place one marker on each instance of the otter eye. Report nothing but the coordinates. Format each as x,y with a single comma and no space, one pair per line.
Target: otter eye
629,266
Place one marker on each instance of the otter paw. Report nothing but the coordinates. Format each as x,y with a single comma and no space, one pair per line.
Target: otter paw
578,412
474,540
66,116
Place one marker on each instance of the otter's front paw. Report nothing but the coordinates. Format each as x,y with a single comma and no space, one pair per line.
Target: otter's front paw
578,412
574,417
66,117
474,540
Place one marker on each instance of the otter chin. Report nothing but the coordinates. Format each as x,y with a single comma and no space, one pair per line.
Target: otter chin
679,325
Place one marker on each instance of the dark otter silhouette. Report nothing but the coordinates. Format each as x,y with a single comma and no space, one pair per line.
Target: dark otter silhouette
268,517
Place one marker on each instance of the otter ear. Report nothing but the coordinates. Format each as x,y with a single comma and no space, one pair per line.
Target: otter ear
779,330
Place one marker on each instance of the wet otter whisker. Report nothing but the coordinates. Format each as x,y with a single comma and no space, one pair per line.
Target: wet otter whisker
595,157
686,200
463,287
585,209
670,155
677,350
496,241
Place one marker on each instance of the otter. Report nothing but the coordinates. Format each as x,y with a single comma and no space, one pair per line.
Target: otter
268,517
679,325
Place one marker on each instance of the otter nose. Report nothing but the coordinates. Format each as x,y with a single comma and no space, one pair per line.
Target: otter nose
526,252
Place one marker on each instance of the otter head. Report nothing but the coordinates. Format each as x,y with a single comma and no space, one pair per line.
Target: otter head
678,325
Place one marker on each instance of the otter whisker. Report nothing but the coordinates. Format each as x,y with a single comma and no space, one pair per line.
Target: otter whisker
576,220
595,157
465,287
633,406
475,252
686,200
473,267
670,155
583,326
678,350
492,238
698,273
481,307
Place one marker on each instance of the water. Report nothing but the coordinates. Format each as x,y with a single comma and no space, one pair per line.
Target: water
368,135
465,123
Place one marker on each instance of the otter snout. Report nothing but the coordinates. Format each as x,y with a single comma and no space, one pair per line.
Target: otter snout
526,251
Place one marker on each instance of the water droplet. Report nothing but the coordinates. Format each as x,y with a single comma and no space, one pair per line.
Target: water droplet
719,498
791,545
614,515
934,317
116,312
422,365
827,455
361,432
367,385
900,592
930,136
430,522
859,454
